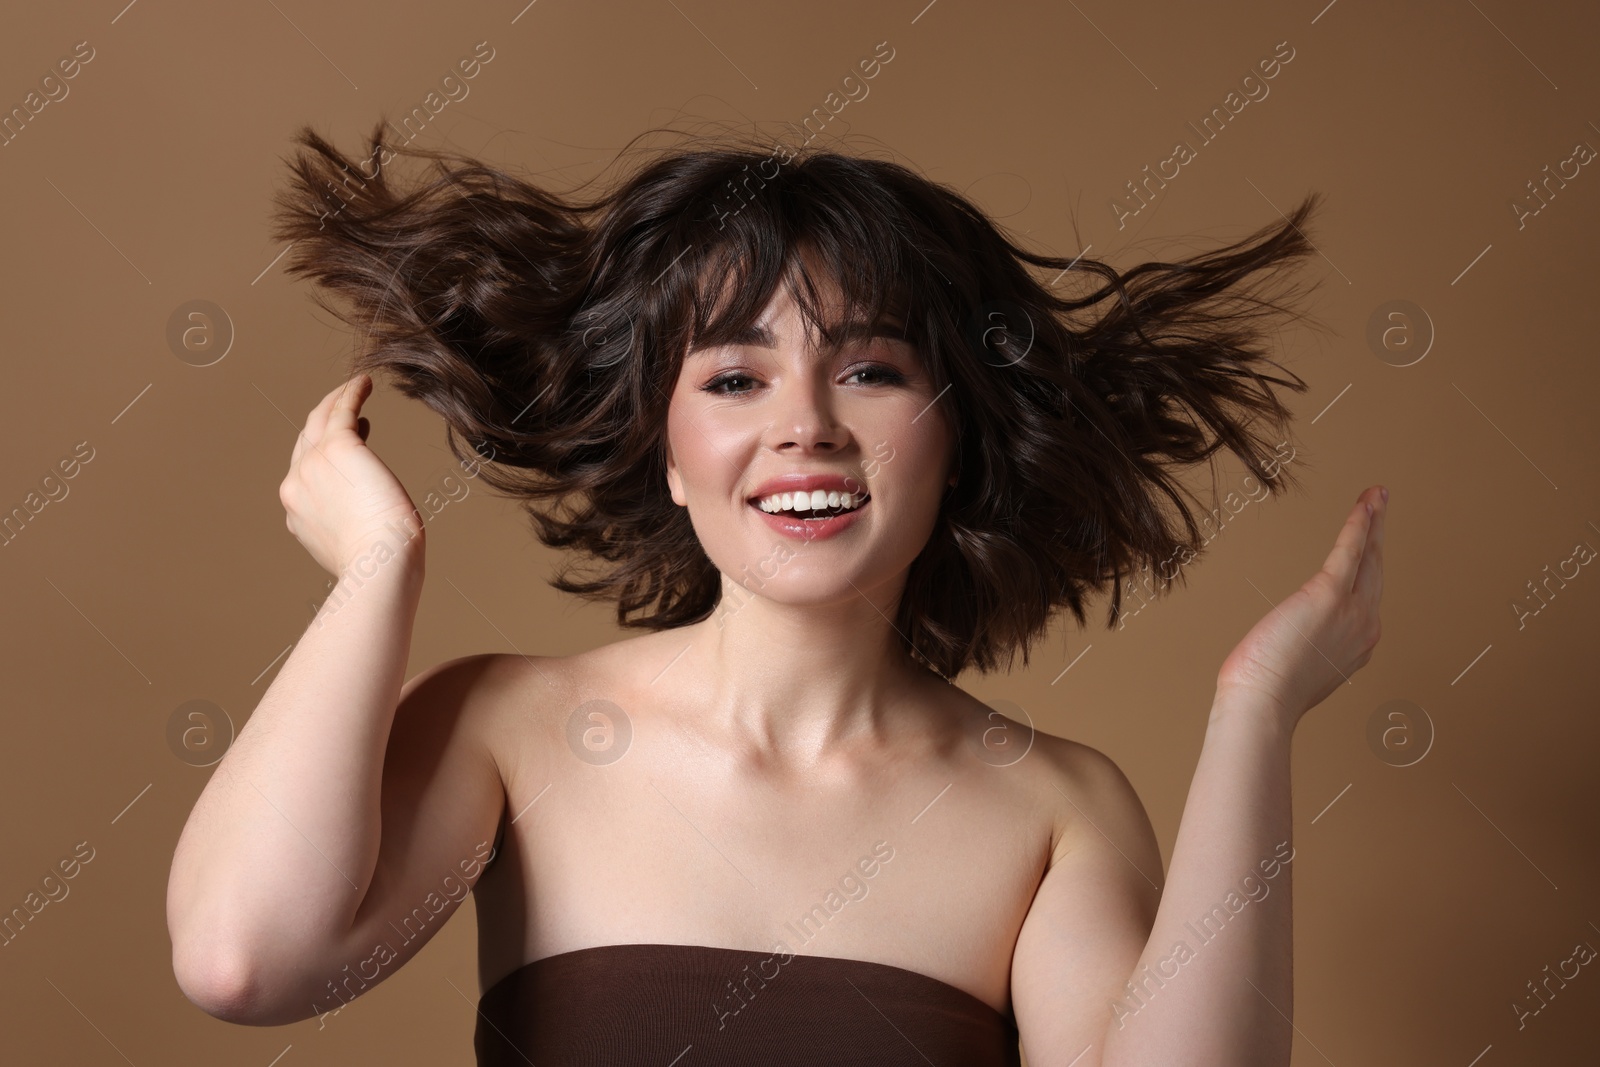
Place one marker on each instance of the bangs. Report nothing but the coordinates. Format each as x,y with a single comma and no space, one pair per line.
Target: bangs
837,254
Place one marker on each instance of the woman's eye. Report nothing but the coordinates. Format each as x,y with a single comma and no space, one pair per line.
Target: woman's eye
716,384
887,375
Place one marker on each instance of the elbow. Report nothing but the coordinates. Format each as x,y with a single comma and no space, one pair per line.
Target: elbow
237,978
214,972
218,981
231,982
214,975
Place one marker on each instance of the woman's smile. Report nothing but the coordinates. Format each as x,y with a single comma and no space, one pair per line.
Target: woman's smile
818,524
810,507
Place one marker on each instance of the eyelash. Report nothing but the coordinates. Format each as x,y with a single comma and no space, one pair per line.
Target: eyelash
889,375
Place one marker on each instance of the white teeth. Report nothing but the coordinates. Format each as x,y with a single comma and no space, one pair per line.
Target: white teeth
812,501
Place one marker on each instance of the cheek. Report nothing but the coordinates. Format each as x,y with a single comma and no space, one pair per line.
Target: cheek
687,445
707,449
922,452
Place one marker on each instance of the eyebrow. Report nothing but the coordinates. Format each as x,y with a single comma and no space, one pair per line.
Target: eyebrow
760,336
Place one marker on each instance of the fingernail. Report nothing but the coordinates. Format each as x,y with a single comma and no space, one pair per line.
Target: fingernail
1384,492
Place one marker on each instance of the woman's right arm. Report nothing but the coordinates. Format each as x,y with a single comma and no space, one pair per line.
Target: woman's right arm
349,817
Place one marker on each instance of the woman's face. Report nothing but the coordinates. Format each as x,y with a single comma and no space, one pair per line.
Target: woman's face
746,419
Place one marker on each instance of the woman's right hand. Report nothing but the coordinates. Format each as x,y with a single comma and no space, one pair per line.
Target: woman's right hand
340,498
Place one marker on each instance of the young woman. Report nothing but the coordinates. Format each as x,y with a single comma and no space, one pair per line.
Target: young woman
816,428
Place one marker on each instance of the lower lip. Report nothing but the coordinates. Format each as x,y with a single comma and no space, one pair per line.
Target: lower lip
810,529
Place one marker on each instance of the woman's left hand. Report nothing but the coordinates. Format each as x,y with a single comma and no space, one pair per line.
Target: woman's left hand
1323,632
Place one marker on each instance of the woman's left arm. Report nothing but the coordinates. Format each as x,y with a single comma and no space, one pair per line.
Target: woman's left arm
1210,979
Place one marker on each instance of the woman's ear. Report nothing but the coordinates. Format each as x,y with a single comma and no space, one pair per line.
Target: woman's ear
674,481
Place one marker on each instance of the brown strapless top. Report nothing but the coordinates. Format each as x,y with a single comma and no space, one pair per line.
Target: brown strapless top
693,1006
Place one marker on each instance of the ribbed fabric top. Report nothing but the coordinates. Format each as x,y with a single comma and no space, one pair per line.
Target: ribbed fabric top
693,1006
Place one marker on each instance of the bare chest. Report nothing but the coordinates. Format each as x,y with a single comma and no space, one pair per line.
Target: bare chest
926,865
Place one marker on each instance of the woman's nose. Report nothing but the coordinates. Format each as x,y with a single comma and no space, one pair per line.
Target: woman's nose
805,416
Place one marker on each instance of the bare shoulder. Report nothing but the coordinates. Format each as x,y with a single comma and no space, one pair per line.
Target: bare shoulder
487,686
497,701
1097,803
1095,806
526,705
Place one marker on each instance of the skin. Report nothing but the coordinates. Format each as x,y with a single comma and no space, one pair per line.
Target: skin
792,732
769,749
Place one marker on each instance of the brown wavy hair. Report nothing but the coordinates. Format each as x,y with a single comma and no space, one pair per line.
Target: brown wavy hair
547,329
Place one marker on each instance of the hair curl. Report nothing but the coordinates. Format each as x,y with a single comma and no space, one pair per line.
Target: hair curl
548,331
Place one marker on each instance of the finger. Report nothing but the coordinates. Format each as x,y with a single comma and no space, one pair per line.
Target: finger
1369,577
311,432
310,436
347,405
317,421
1345,559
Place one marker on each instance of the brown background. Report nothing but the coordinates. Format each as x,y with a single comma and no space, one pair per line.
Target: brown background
1426,896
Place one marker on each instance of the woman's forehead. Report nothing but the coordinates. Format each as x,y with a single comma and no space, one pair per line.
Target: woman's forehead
826,314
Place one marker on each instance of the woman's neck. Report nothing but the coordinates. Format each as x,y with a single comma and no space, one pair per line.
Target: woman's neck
798,683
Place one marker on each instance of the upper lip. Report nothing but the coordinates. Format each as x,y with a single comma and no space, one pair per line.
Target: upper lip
795,483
